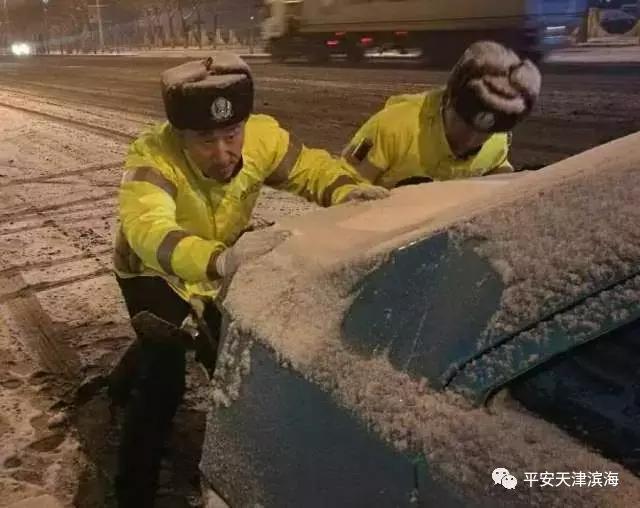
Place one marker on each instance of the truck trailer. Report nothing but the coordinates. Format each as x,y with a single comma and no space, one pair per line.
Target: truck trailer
441,30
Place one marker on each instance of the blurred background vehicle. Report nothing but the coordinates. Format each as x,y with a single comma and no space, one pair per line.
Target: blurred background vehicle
617,21
318,29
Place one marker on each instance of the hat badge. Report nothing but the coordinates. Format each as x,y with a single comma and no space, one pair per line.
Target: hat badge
484,120
221,109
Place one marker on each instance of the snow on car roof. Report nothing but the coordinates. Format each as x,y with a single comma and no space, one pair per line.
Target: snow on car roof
549,234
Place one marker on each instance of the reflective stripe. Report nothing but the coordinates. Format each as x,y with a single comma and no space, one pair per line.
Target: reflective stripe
338,182
212,272
308,195
367,170
166,248
288,162
152,176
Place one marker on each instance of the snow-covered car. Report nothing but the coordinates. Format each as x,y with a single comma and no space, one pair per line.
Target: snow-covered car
468,343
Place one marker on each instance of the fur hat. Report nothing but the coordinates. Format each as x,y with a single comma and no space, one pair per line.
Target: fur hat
491,88
208,94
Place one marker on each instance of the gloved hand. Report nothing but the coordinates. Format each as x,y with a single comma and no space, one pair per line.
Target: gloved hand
248,247
367,193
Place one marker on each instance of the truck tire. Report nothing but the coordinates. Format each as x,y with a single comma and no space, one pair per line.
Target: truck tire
278,58
318,53
278,51
355,53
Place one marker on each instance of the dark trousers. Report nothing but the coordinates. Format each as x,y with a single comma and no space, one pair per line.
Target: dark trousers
154,389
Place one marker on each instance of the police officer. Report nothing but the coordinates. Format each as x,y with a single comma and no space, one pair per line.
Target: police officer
461,131
186,197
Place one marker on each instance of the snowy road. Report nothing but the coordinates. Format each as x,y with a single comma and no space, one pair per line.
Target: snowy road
582,105
65,126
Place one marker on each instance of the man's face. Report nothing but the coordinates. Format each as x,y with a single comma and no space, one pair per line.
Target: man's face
463,138
216,152
475,138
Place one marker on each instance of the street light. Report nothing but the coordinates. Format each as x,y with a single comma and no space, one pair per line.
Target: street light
99,7
46,26
7,24
251,30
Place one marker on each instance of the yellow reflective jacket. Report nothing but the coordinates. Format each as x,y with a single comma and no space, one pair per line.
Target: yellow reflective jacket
406,139
174,221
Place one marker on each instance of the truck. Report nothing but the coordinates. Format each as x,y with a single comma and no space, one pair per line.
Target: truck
319,29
